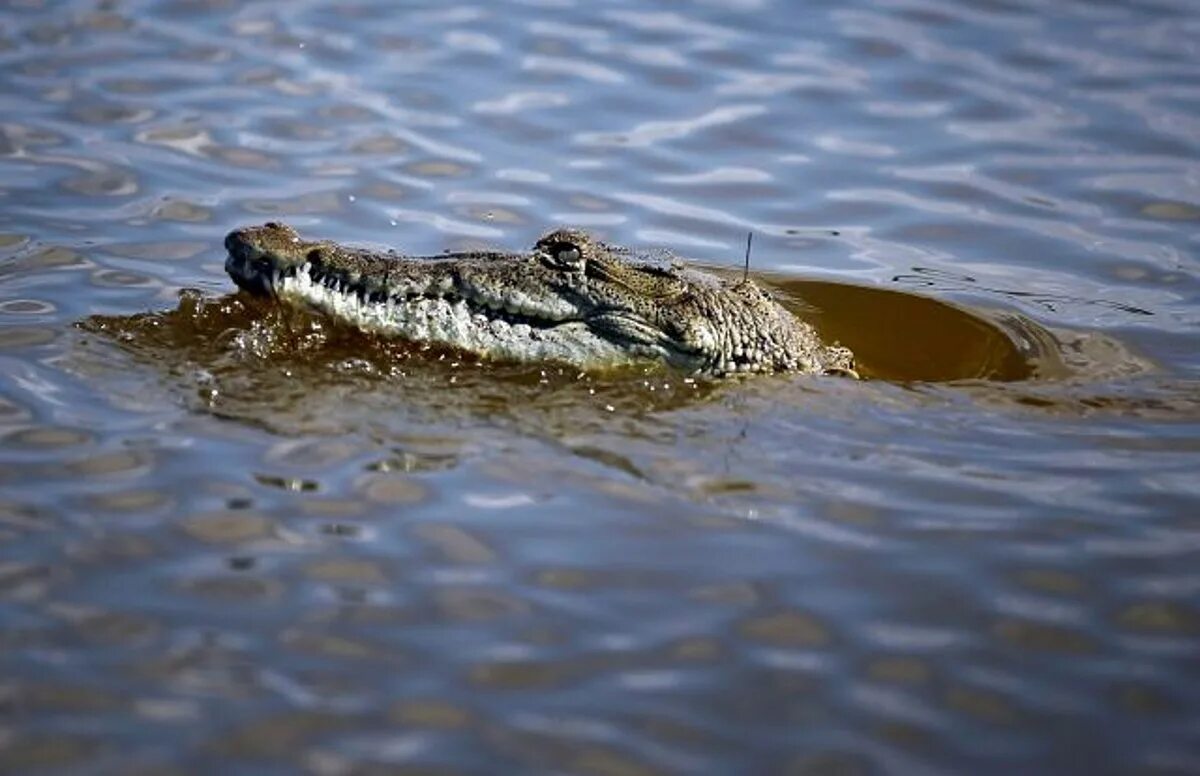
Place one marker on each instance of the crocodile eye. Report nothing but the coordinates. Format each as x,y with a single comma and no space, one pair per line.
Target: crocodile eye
566,255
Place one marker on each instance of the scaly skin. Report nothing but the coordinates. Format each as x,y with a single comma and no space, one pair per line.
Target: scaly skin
571,299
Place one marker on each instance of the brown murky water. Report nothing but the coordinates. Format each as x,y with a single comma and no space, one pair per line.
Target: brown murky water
236,538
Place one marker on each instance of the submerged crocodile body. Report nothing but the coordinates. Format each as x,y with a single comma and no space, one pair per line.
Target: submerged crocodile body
571,299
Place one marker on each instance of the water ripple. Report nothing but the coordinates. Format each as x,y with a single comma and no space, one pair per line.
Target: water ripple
237,536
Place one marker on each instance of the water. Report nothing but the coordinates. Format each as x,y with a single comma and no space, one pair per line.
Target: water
235,538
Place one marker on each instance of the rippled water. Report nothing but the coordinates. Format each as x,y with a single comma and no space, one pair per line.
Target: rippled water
235,538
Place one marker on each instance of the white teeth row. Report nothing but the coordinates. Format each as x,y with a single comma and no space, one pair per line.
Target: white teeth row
449,320
347,285
433,320
519,307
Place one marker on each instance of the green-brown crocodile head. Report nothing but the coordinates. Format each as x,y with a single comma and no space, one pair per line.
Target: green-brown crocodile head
571,299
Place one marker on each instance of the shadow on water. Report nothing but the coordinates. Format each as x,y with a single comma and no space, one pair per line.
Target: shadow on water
907,338
904,337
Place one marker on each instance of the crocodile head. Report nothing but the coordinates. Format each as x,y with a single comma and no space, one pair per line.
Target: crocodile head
571,299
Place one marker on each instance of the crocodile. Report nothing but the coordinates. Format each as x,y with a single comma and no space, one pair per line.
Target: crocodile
572,299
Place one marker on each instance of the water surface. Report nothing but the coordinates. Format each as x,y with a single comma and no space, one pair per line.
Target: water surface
236,538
